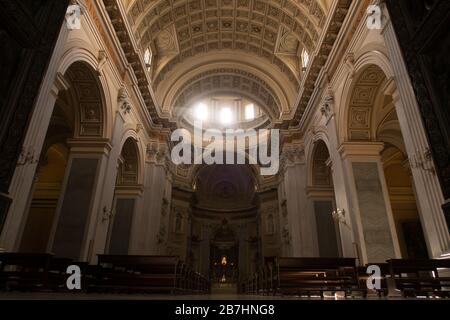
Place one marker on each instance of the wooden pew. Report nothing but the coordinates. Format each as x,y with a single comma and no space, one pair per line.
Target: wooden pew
153,273
126,273
58,273
315,276
25,271
420,278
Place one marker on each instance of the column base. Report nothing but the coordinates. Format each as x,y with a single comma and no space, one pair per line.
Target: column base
5,202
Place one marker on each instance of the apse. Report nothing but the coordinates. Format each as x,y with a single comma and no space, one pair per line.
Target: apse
225,188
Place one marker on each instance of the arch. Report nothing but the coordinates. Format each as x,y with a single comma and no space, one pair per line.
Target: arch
87,97
131,134
319,173
127,190
78,113
254,170
79,51
369,57
320,136
232,81
367,114
373,55
129,171
321,197
226,62
356,115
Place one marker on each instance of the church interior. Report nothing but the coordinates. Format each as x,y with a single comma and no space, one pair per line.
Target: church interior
92,92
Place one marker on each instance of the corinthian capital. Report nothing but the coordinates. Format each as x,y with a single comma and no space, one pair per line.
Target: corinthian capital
293,154
157,153
152,149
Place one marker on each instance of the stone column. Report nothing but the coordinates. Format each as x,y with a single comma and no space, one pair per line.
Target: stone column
153,212
78,210
21,186
204,251
341,194
370,204
426,181
340,183
300,228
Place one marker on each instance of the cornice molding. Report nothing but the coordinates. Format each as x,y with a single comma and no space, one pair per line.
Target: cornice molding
360,149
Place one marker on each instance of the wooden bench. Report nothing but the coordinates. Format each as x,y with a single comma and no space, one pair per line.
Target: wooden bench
315,276
420,278
58,273
131,273
25,271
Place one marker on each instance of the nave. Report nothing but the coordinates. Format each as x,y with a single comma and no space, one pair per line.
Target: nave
261,149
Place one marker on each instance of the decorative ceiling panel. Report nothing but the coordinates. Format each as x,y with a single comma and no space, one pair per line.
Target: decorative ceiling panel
197,33
247,25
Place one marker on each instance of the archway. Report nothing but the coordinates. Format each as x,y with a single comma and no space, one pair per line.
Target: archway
47,190
125,196
321,192
225,222
384,192
62,196
401,190
224,256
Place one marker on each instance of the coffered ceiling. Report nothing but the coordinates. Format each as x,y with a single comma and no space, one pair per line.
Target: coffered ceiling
196,26
250,47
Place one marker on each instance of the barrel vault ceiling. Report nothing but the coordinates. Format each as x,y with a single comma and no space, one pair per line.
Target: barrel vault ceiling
251,48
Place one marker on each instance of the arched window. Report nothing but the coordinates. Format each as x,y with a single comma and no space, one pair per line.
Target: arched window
250,112
226,115
305,59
